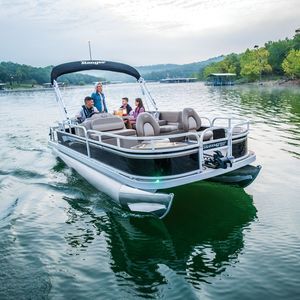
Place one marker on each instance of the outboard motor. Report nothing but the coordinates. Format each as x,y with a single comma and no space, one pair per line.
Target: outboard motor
218,160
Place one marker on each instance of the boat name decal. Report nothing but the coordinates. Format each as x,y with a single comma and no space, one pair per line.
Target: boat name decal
214,145
92,62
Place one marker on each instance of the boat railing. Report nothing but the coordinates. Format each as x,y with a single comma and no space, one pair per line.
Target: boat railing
230,120
152,141
189,141
207,119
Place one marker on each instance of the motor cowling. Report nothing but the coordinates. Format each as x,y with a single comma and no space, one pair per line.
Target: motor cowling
218,160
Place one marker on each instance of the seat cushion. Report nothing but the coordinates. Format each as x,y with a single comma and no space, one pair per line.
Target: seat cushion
207,136
86,124
146,125
168,128
190,119
107,124
238,130
162,122
123,132
170,116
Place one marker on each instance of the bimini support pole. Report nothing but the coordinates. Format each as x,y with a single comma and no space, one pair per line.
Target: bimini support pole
60,101
146,92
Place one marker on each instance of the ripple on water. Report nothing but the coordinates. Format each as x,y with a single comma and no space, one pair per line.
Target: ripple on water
60,237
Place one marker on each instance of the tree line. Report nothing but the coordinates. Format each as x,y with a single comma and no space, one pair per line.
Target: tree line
279,58
14,73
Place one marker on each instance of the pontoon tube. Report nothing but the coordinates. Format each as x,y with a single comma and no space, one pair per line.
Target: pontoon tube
134,200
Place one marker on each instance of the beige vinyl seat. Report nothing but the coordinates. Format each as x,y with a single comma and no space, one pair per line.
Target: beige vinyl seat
106,123
146,125
170,122
192,122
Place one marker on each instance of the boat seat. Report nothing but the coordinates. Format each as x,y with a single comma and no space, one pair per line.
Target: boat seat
98,119
162,122
238,130
86,124
122,132
192,122
146,125
207,135
107,124
168,128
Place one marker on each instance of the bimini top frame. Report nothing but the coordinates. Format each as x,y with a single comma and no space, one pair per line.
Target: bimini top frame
85,65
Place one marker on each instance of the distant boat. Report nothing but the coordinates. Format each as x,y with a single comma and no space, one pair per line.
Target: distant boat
220,79
177,80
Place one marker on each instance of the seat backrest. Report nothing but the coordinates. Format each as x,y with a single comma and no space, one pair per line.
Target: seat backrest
190,119
107,123
170,116
86,124
146,125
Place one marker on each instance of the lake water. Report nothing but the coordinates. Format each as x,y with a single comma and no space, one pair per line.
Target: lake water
62,239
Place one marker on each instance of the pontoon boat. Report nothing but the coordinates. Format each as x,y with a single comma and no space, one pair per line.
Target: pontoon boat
166,149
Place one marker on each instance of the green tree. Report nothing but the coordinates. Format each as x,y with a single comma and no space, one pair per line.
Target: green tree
254,63
278,52
291,65
231,64
212,68
296,41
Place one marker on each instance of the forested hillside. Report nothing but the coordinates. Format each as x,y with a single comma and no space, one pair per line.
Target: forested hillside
274,59
15,73
158,72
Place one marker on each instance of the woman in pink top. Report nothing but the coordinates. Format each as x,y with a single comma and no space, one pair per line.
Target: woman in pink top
139,108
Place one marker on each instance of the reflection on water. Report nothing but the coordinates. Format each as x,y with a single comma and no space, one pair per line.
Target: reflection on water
275,113
201,237
61,238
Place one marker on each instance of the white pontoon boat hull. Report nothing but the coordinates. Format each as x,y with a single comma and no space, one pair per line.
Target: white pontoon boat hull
132,199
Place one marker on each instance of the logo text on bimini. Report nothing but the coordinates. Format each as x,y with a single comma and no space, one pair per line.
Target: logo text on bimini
93,62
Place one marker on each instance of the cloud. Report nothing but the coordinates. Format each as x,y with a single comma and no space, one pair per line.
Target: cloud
139,33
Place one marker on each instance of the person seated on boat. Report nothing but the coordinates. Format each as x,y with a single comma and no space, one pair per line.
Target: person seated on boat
125,106
87,110
139,108
99,98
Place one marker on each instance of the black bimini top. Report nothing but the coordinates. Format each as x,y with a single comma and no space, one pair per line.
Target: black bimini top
83,65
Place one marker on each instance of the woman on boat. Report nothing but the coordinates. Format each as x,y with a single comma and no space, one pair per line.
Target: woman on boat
139,108
99,98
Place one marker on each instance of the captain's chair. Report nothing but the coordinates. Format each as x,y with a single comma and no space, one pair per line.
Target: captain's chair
192,122
146,125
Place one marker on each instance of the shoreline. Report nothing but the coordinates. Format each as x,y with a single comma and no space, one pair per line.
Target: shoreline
285,83
276,83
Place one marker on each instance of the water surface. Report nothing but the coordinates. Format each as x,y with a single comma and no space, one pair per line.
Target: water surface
61,238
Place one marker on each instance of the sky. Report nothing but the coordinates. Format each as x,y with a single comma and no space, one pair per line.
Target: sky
139,32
